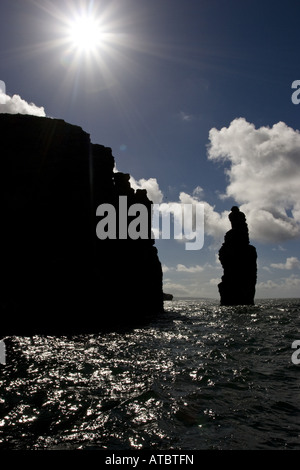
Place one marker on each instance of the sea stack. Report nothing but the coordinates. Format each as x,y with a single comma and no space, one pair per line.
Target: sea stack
238,259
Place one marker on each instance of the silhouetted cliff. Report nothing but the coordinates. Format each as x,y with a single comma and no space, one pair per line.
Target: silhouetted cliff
238,259
57,275
167,296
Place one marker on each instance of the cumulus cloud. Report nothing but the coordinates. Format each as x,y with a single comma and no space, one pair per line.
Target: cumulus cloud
215,224
263,174
175,288
191,269
283,285
165,268
16,105
151,185
291,263
2,87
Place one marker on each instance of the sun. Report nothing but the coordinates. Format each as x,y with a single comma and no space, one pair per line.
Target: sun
85,33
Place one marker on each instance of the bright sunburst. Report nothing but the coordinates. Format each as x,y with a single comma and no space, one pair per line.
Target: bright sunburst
85,33
92,41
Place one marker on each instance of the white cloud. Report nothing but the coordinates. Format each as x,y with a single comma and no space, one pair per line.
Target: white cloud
292,281
16,105
165,268
215,224
191,269
175,288
284,286
151,185
291,263
198,191
263,179
2,87
264,176
267,285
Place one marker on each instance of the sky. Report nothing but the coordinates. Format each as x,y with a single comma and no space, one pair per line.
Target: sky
198,100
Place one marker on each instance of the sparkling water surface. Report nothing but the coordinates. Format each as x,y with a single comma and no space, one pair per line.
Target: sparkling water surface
199,377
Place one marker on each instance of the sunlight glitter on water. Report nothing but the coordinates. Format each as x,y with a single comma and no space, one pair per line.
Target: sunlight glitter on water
192,379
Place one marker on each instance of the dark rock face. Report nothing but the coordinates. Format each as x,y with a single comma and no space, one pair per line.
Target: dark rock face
58,277
168,296
238,259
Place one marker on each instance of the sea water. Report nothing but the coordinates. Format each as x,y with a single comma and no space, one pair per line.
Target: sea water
198,377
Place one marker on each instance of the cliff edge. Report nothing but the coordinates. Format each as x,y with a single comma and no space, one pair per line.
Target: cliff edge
58,277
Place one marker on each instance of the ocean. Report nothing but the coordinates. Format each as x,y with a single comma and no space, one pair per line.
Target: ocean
198,377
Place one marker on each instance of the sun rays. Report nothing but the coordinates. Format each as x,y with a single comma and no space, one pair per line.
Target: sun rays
85,33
